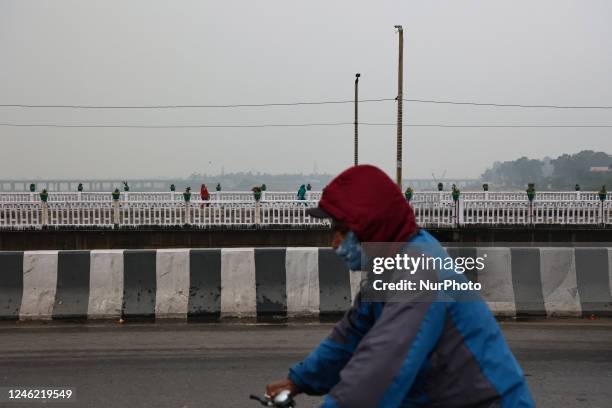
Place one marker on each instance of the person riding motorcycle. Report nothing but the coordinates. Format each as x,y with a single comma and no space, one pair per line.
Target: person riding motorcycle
401,354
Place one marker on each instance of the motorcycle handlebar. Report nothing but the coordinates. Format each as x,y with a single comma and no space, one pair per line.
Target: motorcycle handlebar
282,400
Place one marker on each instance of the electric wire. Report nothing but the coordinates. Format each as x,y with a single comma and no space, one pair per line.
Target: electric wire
302,103
280,125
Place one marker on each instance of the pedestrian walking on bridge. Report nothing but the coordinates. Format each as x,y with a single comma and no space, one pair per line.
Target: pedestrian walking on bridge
301,194
204,195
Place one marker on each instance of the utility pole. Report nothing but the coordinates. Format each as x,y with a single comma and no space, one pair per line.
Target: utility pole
356,120
400,96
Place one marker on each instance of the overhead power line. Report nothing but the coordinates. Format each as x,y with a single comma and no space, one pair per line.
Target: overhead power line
239,105
442,125
299,103
506,105
280,125
265,125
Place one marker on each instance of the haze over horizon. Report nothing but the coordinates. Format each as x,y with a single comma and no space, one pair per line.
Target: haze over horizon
239,52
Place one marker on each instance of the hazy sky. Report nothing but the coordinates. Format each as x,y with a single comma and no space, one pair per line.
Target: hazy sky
148,52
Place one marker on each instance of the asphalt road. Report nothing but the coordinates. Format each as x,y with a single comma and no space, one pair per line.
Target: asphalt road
568,362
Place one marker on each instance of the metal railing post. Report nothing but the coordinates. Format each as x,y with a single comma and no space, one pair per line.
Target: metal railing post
187,213
257,212
116,213
44,209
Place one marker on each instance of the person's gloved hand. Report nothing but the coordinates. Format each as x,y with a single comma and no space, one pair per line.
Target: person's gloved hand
275,387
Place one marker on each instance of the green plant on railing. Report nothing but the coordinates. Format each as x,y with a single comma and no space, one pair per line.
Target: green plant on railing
577,187
602,193
126,188
172,187
531,192
257,192
32,187
440,186
455,193
408,193
80,187
187,194
116,194
218,187
308,187
263,187
44,195
485,187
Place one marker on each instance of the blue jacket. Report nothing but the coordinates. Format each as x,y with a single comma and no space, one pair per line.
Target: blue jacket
407,354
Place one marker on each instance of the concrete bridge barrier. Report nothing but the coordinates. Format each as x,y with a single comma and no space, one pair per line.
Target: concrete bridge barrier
263,283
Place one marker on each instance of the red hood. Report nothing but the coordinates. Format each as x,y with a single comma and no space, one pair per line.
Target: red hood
370,204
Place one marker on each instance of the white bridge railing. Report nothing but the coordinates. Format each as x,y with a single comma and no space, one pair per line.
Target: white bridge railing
239,208
154,196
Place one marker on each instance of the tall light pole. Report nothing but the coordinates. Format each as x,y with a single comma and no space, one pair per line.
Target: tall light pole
356,116
400,96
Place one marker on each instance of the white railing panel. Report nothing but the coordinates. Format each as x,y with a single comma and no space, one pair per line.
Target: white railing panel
432,208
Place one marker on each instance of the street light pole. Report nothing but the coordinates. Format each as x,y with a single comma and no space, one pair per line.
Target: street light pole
356,120
400,96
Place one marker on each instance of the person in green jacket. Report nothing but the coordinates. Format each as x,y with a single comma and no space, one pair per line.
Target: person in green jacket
301,195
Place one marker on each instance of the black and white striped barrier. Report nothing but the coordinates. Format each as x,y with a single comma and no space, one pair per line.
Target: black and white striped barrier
259,282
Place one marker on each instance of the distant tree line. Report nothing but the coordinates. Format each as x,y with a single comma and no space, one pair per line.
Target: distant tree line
562,173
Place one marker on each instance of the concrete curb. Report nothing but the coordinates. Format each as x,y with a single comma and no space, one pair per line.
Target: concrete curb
276,283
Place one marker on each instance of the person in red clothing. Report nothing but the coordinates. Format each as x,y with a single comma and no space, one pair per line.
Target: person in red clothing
204,195
430,351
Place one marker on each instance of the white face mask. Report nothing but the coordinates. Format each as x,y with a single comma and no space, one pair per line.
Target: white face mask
350,251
